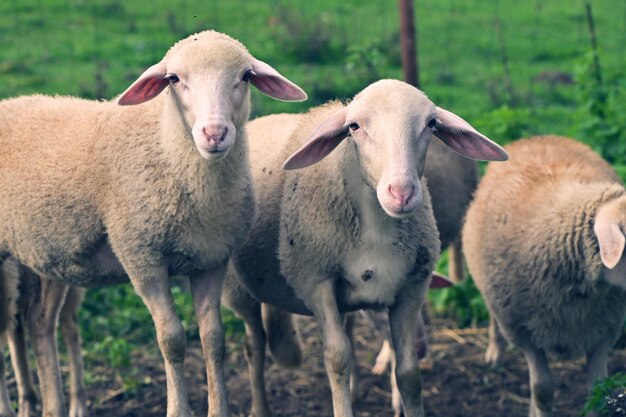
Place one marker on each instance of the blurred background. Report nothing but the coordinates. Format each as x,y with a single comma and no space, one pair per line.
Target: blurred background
511,68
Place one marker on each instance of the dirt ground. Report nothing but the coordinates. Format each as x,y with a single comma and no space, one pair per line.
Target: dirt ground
459,384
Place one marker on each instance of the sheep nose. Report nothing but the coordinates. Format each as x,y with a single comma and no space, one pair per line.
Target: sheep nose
402,193
215,134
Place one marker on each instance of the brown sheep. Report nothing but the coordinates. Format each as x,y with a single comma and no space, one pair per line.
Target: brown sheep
544,239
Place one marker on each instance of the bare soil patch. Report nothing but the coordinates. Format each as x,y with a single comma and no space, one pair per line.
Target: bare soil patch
458,384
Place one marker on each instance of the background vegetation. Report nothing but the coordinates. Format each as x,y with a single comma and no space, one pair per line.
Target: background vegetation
512,68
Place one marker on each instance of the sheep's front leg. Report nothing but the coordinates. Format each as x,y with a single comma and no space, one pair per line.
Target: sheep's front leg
206,289
403,316
71,337
153,287
5,402
541,383
27,395
337,359
43,313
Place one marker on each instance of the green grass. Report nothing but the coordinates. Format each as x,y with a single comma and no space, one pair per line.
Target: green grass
60,47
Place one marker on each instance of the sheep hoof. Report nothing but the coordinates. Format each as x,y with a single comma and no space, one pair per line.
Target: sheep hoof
493,357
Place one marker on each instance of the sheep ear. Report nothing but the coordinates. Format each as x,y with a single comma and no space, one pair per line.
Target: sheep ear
440,281
146,87
325,138
611,241
270,82
464,139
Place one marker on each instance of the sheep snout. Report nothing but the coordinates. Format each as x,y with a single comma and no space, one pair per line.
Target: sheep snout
401,198
213,139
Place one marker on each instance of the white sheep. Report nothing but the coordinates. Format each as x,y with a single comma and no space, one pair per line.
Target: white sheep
24,285
94,193
544,241
452,180
354,231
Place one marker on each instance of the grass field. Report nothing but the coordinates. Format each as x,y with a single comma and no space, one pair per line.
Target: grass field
96,48
332,49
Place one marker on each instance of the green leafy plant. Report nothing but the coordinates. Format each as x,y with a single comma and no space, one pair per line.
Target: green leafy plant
601,120
602,392
115,324
506,123
304,38
462,301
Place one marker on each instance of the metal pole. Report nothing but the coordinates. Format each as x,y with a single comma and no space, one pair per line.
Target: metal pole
408,40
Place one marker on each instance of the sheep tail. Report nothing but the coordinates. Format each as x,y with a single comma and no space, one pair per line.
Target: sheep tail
455,261
283,337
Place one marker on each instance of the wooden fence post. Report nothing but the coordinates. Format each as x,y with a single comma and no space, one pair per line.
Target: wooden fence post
408,40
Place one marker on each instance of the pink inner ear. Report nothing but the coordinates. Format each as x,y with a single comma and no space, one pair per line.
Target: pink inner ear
270,82
312,152
464,139
440,281
611,241
143,89
278,88
323,140
470,144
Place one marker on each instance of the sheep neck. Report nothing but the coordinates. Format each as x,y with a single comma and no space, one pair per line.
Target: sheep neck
194,174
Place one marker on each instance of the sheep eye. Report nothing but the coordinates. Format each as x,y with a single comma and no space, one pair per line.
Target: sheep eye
354,126
173,78
247,75
432,123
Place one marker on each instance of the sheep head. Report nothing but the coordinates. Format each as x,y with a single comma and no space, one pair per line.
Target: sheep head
391,124
208,76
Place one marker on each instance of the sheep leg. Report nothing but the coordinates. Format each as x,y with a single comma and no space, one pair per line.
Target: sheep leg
596,367
153,288
355,376
541,382
380,322
455,260
255,355
71,337
497,344
402,322
27,395
5,402
383,359
206,289
249,310
282,336
386,357
396,398
43,313
337,359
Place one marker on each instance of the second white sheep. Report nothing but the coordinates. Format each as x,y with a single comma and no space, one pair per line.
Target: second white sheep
354,231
